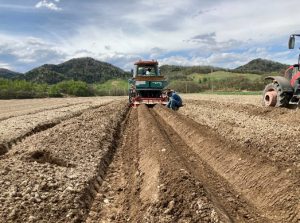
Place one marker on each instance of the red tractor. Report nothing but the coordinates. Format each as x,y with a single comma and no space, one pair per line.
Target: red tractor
284,90
147,84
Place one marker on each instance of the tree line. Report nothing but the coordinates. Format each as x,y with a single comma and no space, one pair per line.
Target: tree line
21,89
237,83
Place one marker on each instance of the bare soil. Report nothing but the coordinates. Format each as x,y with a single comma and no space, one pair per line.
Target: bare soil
50,176
17,107
218,159
22,122
231,99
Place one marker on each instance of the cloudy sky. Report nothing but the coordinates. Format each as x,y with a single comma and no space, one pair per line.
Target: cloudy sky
225,33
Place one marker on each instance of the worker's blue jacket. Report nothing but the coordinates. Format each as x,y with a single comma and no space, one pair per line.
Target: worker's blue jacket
177,98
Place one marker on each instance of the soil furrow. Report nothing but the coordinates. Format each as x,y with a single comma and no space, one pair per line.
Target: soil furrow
169,192
265,136
37,127
52,176
274,193
41,110
117,199
20,107
230,205
99,161
148,182
289,116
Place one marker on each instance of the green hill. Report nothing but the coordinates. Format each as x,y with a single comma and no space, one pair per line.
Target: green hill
218,81
261,66
8,74
173,72
85,69
111,80
112,87
221,75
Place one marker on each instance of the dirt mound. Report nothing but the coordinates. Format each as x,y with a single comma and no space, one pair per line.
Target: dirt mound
264,134
154,183
260,182
50,176
15,129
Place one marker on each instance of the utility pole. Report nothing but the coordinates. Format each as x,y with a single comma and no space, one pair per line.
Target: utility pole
212,86
186,87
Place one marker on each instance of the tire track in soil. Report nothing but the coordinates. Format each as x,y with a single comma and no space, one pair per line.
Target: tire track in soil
266,135
6,146
231,206
273,192
148,181
117,199
159,175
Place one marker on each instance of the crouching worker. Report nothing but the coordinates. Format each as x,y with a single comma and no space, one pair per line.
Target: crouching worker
175,101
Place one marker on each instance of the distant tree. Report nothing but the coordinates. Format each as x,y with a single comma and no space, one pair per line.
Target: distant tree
185,86
74,88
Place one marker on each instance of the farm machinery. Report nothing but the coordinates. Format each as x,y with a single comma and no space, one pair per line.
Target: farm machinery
147,85
285,90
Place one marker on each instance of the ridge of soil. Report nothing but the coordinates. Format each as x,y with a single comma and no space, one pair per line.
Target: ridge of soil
272,191
217,159
14,130
51,176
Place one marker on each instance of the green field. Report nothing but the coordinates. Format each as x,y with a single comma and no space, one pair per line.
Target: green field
232,92
218,81
219,75
112,87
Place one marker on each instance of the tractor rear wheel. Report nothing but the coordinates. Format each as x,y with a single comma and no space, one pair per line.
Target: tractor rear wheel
274,96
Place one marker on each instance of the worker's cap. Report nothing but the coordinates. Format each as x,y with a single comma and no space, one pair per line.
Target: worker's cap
169,91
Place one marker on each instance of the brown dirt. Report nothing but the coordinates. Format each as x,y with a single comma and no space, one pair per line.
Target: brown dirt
50,176
196,168
230,99
273,192
16,128
148,182
266,132
17,107
213,161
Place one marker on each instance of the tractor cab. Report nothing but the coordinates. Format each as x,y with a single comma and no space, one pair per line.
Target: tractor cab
146,69
291,71
293,75
147,84
283,91
295,68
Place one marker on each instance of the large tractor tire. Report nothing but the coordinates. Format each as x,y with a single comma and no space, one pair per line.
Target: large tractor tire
273,96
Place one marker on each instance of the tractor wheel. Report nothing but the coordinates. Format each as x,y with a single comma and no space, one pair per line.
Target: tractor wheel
131,96
273,96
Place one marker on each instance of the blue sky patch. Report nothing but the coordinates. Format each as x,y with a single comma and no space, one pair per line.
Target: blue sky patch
192,32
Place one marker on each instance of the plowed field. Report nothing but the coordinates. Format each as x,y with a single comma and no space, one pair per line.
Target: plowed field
217,159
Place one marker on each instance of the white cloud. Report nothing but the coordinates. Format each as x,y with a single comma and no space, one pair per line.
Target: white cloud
231,59
48,4
227,25
5,66
29,51
192,32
